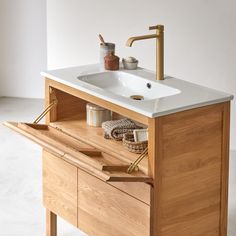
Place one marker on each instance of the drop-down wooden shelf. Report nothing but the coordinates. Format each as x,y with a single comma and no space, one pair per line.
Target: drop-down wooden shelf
79,153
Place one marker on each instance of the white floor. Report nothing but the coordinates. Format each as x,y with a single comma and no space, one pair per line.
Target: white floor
21,210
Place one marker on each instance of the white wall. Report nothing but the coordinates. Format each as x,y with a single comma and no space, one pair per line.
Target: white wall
23,51
200,37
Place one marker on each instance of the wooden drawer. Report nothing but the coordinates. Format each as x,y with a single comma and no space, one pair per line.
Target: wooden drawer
106,211
60,187
141,191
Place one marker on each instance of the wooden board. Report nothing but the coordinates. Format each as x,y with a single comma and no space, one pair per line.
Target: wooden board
80,154
188,166
106,211
60,187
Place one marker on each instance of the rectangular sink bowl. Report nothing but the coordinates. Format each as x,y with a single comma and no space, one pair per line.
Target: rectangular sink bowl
127,85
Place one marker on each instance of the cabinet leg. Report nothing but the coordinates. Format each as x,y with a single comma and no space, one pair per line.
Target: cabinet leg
51,223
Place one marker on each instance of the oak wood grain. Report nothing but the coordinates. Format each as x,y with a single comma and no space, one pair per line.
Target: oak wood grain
68,105
189,160
140,191
225,170
106,211
60,187
51,223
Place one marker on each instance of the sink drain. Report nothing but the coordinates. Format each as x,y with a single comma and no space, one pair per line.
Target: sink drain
137,97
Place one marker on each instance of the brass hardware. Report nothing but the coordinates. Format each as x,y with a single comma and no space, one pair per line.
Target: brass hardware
47,109
134,166
137,97
44,113
130,41
159,36
157,27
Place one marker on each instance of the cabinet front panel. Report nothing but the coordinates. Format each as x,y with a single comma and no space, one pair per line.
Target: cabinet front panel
106,211
60,187
141,191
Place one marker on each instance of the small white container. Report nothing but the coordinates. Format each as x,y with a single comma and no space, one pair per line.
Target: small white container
130,65
96,115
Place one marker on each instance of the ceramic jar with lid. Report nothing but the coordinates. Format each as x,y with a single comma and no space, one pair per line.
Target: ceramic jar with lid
96,115
111,61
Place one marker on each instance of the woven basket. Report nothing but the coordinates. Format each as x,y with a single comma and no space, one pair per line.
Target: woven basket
132,146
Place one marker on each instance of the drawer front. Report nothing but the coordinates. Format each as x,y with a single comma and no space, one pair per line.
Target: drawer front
106,211
60,187
141,191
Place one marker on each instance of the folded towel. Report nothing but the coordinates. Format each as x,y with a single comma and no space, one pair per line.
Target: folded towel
115,129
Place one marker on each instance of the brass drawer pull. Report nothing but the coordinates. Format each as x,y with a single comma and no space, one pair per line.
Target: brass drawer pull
134,166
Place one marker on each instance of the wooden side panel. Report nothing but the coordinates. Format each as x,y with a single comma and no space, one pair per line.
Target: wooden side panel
188,197
191,173
106,211
60,187
225,170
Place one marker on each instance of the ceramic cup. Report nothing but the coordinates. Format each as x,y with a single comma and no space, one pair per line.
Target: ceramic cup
105,50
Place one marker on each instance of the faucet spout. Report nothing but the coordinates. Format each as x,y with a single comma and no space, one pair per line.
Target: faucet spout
137,38
159,36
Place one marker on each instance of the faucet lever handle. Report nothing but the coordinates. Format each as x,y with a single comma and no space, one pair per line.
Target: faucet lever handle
157,27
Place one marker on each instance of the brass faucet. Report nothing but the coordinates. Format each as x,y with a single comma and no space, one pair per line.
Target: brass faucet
159,36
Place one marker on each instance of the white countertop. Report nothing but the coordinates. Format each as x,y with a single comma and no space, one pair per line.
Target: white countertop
191,95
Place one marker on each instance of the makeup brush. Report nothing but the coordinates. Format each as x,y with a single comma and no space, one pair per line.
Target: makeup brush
102,39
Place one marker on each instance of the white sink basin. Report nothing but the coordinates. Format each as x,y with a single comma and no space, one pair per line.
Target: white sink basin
127,85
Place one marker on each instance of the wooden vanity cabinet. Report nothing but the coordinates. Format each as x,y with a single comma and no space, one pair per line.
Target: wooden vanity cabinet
188,161
181,188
